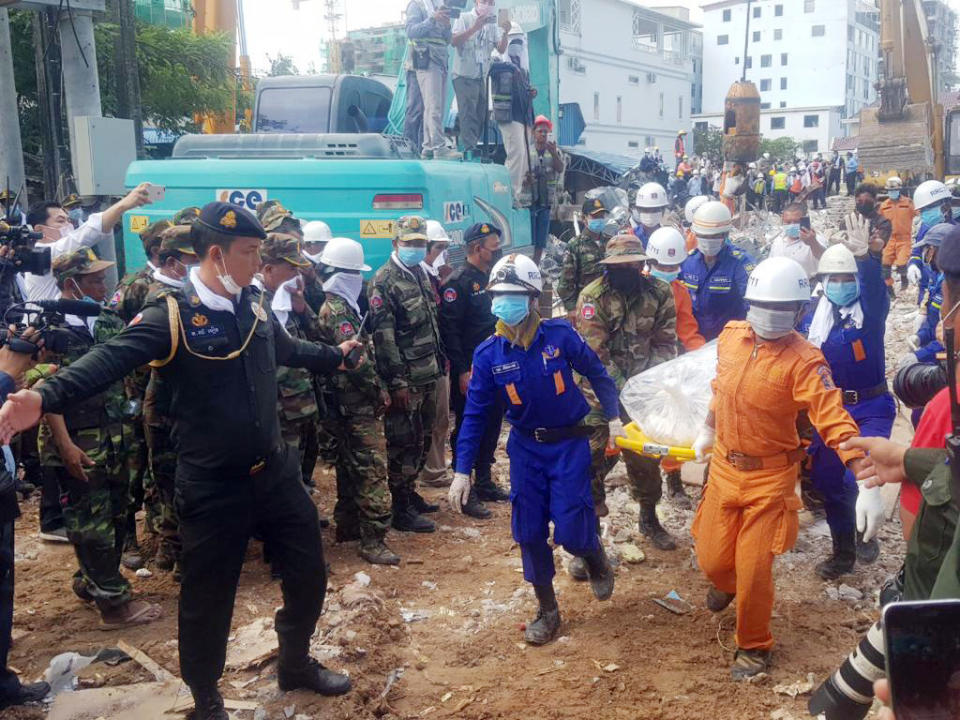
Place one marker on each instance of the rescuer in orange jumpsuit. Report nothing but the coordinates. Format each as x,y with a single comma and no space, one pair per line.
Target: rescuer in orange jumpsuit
899,211
766,374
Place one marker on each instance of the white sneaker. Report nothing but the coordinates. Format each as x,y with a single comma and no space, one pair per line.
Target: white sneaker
58,536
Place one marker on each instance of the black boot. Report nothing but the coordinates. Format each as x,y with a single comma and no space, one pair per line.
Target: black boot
208,704
487,489
892,589
904,283
601,573
347,533
544,627
474,508
843,559
867,552
407,519
651,528
375,551
31,693
421,505
312,676
678,496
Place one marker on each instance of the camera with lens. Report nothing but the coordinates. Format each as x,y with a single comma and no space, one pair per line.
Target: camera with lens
25,258
916,384
454,7
48,317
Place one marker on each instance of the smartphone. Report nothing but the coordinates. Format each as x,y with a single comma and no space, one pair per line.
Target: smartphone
156,193
922,642
805,223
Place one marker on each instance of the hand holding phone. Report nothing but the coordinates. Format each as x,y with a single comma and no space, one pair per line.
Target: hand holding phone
155,193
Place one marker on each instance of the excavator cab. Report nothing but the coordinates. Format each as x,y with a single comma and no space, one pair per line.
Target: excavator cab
952,143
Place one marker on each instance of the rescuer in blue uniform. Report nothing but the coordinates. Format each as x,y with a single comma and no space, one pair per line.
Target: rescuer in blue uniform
529,364
716,272
924,345
848,325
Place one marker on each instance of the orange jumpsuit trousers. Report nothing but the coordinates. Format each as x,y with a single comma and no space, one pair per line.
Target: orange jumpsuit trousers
900,214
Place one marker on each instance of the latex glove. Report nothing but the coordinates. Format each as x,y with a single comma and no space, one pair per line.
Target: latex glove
858,234
908,359
459,491
616,430
704,443
913,342
869,512
914,274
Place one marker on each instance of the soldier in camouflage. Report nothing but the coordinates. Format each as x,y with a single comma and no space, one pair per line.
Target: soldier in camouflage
630,321
406,341
581,260
356,401
87,449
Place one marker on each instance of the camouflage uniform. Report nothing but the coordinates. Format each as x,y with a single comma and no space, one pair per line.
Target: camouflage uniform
629,333
353,401
94,510
406,340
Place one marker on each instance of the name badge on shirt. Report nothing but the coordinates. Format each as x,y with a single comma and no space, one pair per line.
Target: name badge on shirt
506,368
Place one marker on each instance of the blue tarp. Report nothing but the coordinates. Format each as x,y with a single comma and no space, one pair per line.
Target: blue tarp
572,124
595,168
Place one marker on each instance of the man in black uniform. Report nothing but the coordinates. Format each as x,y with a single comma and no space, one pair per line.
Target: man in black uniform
216,344
465,322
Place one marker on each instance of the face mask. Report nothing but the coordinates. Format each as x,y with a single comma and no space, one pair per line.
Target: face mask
865,208
226,279
76,217
650,219
411,256
710,245
313,257
84,296
347,285
623,280
667,277
595,225
771,324
511,309
931,215
893,194
792,230
842,292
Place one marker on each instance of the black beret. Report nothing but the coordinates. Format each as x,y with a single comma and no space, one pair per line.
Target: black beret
478,231
229,219
948,256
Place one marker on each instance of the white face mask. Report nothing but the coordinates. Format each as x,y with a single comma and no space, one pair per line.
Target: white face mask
313,257
771,324
229,284
650,218
710,245
347,285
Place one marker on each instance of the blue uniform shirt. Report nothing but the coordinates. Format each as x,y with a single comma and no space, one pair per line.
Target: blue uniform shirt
536,386
929,345
856,356
717,292
642,235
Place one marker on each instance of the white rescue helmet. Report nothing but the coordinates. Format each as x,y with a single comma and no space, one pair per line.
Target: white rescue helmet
436,232
693,204
651,196
666,246
515,273
344,254
893,183
316,231
778,280
930,193
712,218
837,260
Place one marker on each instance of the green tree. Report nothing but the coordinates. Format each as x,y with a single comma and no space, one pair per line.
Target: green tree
708,143
281,65
782,150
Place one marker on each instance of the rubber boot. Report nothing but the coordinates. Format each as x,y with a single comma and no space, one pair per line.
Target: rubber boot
577,568
676,492
749,663
843,559
867,552
375,551
407,519
651,528
601,573
312,676
26,693
208,704
421,505
474,508
904,283
892,589
544,627
487,489
132,557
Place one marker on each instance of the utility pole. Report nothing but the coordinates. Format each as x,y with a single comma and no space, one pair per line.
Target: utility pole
332,16
79,52
46,44
127,70
11,148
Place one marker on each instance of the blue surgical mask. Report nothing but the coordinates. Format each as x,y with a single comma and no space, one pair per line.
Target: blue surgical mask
667,277
792,230
511,309
842,292
893,194
76,217
931,215
411,256
595,225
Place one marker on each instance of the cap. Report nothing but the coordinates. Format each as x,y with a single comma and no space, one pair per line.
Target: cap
150,237
187,216
271,214
7,194
948,257
177,238
624,248
232,220
411,227
70,201
594,206
280,246
81,262
478,231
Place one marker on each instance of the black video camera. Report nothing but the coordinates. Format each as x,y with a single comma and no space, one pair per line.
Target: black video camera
26,258
454,7
48,317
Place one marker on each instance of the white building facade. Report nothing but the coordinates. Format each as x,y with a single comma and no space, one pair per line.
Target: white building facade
633,71
801,54
813,127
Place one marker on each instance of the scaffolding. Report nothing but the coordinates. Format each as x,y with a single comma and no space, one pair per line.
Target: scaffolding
376,51
172,13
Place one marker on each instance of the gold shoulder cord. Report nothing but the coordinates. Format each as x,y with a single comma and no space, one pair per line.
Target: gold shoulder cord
177,332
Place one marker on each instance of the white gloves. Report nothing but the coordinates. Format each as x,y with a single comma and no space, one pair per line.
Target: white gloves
869,512
616,430
858,234
913,342
908,359
914,274
704,442
459,491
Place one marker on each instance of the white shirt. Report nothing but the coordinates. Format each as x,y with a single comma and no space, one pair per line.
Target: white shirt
208,297
44,287
796,249
80,322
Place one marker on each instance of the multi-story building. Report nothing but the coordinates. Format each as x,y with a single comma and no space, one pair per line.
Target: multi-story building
813,61
942,27
172,13
633,71
372,51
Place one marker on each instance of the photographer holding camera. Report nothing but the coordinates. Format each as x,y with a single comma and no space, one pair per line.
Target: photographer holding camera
428,28
60,236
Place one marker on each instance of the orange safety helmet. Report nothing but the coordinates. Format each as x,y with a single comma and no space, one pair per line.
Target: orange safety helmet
543,120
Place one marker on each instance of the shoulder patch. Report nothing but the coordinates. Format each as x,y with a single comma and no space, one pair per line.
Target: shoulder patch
825,377
450,295
588,311
137,318
376,302
346,328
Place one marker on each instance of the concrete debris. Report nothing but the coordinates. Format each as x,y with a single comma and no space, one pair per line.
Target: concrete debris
632,554
144,573
412,616
252,645
800,687
429,585
471,533
289,710
847,592
362,579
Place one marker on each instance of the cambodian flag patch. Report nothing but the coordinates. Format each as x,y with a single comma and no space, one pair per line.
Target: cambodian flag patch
346,328
588,311
450,295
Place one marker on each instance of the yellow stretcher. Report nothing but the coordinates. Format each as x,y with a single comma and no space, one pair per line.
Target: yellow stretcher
640,443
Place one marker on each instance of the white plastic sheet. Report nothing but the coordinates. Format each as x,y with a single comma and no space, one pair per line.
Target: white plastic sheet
670,402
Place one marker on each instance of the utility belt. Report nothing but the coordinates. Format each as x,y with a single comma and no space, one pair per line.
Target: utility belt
748,463
420,52
555,435
853,397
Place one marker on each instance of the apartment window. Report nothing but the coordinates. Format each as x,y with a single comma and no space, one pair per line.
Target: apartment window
850,33
726,16
736,60
568,12
778,10
783,83
811,121
756,36
723,39
596,106
818,30
764,106
778,123
849,82
778,34
866,66
811,146
633,79
756,12
783,104
748,62
680,107
661,104
783,58
633,144
765,85
866,91
809,6
646,33
766,60
619,109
